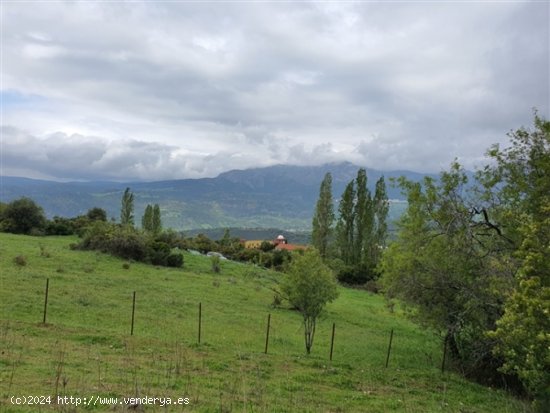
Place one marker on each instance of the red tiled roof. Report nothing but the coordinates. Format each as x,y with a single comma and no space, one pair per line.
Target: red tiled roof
290,247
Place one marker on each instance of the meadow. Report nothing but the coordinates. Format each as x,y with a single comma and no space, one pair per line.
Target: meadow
85,348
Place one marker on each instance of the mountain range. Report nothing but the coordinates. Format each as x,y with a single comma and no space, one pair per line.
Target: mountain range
281,196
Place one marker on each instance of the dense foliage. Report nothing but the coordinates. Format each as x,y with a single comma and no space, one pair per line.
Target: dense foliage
127,208
452,268
474,264
518,187
323,218
309,285
22,216
127,242
361,230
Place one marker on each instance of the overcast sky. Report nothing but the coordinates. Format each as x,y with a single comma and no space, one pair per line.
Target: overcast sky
162,90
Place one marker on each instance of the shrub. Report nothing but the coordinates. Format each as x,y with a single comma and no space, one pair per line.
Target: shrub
60,226
215,263
174,260
97,214
44,252
277,300
23,216
172,238
20,260
123,242
127,243
372,286
126,265
355,275
267,246
158,252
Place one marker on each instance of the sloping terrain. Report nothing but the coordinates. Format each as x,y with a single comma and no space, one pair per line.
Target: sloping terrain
85,349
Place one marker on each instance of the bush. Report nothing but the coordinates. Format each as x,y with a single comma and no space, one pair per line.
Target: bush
158,252
20,260
356,275
23,216
267,246
174,260
123,242
372,286
60,226
172,238
128,243
249,255
215,263
97,214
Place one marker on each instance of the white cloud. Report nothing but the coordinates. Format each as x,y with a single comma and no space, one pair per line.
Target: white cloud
178,90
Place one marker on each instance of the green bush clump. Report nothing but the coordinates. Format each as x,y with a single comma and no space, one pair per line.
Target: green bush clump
20,260
128,243
174,260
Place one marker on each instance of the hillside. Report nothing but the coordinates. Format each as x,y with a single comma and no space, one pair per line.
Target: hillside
281,196
86,350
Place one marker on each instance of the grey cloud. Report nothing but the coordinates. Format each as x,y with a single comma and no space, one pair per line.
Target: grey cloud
229,85
60,156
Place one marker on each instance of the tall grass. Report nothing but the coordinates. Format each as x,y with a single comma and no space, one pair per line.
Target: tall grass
86,349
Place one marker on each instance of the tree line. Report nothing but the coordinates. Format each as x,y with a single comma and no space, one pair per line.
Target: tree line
150,244
471,259
352,242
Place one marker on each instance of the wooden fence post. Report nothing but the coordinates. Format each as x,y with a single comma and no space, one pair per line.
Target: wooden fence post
133,312
46,300
389,348
267,333
200,321
332,340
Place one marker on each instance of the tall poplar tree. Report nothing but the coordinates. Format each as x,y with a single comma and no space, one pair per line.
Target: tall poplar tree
127,208
345,226
147,219
380,206
323,219
156,221
363,215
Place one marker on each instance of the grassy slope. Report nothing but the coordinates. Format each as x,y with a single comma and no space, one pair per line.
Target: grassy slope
86,342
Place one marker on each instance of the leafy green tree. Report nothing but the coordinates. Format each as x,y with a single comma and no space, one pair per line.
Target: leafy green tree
309,285
523,333
147,219
363,217
156,220
97,214
452,268
323,219
226,238
267,246
517,186
23,216
345,226
204,244
379,234
361,229
127,208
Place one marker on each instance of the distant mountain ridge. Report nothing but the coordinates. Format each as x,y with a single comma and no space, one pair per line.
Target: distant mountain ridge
281,196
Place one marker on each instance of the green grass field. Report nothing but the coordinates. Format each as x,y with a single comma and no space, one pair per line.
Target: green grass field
85,349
